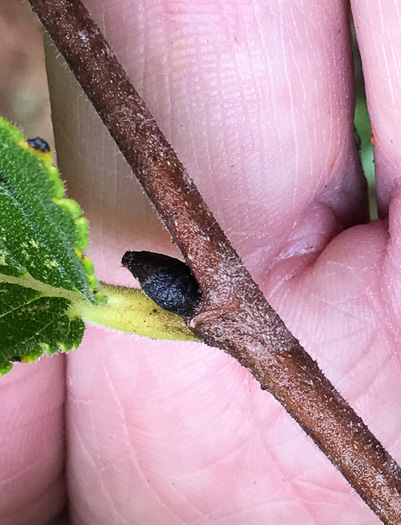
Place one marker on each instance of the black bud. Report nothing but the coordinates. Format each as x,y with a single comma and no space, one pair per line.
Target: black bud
39,144
167,281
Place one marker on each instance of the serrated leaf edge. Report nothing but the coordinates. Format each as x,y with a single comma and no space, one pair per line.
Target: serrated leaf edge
68,205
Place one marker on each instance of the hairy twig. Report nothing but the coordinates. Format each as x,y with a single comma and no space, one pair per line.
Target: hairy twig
235,316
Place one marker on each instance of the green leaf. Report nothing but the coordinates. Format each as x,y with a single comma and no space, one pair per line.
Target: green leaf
42,268
38,323
37,229
47,285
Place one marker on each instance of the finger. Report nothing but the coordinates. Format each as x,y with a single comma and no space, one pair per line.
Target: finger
378,36
31,443
258,105
377,31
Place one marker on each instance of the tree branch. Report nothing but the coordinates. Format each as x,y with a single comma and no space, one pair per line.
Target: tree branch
235,316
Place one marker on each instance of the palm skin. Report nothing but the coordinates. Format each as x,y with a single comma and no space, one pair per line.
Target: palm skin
256,98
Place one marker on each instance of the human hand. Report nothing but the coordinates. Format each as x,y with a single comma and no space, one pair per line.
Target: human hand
257,102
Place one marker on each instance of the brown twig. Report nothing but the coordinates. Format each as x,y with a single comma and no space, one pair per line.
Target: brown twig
235,316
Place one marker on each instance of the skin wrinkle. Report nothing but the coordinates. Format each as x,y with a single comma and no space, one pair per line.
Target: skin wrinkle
392,311
241,515
197,508
335,307
294,482
394,435
19,473
29,503
34,503
170,106
38,509
247,118
385,61
309,143
140,469
379,432
391,278
313,273
22,426
122,412
391,325
89,456
259,44
391,336
292,117
185,499
380,57
117,510
368,383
